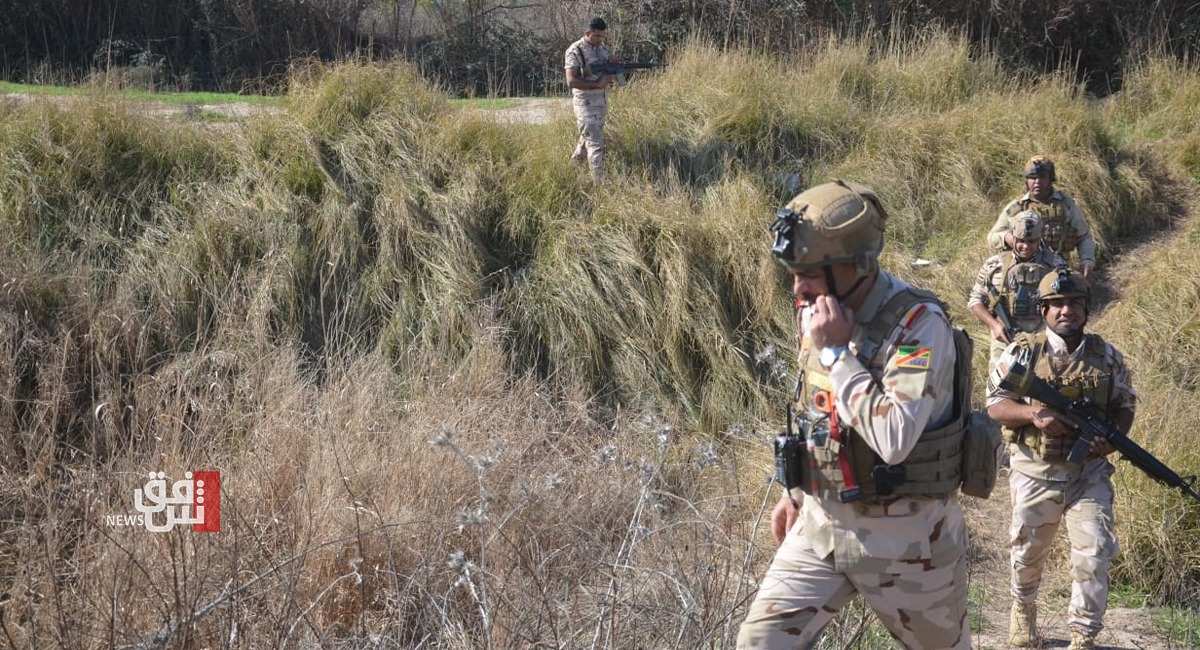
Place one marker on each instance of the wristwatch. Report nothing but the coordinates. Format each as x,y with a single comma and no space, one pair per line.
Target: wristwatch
830,356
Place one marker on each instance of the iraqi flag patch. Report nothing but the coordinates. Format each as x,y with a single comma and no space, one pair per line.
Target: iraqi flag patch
911,356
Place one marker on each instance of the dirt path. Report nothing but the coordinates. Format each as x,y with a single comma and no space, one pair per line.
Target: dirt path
524,110
532,110
1125,628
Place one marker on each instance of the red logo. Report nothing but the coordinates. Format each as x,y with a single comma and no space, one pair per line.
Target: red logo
195,500
206,499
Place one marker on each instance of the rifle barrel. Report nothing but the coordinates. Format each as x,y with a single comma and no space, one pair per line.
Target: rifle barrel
1091,425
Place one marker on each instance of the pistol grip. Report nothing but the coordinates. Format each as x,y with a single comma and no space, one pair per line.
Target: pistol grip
1080,450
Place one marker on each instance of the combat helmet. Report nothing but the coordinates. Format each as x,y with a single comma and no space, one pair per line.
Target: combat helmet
1062,282
832,223
1039,165
1027,224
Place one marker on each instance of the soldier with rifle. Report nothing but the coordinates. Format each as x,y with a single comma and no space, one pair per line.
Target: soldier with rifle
1067,231
590,70
1004,297
1049,482
589,94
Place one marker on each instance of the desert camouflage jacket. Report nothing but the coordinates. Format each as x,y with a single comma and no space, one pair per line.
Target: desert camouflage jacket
1121,396
890,409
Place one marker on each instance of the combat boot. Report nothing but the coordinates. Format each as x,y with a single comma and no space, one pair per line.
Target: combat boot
1082,640
1022,625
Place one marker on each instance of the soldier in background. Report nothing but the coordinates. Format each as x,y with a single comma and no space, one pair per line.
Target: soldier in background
1065,228
1045,489
1006,287
589,95
877,390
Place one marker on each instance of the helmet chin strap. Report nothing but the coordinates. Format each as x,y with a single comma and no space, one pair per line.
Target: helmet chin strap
831,284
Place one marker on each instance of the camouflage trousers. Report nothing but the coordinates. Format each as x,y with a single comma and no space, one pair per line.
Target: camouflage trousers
924,606
1086,503
589,117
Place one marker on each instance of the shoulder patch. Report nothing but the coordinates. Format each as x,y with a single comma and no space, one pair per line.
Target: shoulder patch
913,357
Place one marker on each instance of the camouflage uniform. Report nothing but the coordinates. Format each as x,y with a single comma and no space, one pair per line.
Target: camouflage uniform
591,106
1007,275
1045,492
1066,229
905,556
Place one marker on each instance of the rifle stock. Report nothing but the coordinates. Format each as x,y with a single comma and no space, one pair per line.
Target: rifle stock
1021,380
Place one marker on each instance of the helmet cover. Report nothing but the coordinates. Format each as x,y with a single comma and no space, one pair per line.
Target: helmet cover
832,223
1026,224
1038,165
1063,283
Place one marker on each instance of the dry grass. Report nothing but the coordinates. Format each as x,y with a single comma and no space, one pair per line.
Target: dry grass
305,304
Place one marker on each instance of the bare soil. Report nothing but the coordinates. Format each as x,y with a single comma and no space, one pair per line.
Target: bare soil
532,110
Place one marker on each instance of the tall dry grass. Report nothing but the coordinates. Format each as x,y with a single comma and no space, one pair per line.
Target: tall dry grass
460,398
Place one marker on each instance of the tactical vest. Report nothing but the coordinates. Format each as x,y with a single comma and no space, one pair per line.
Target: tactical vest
1019,289
845,468
1084,378
1059,235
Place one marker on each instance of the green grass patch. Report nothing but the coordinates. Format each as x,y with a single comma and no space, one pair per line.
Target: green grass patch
1178,624
1121,595
8,87
977,599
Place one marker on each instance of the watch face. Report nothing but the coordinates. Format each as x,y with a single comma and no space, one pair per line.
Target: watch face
828,356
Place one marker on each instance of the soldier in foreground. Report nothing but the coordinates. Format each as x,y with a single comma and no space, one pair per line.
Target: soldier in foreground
874,515
1004,297
1065,228
1045,488
589,95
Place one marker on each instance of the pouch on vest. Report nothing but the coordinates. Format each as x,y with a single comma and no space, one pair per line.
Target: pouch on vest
981,446
981,436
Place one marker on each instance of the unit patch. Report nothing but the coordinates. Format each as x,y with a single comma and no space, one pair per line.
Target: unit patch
910,356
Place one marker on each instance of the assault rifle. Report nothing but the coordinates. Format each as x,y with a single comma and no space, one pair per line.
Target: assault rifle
1082,412
996,306
619,70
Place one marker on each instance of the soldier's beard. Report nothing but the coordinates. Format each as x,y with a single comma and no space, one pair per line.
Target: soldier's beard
1068,332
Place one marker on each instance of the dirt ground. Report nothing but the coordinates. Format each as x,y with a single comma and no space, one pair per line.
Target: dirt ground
525,110
533,110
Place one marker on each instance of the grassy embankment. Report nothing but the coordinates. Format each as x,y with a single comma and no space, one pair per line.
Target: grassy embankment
306,303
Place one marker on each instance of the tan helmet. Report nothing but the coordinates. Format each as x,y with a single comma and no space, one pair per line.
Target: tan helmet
1063,283
1026,224
833,223
1039,165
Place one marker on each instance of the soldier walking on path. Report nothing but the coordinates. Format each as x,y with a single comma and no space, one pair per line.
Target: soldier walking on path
1007,284
1047,490
877,513
1065,228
